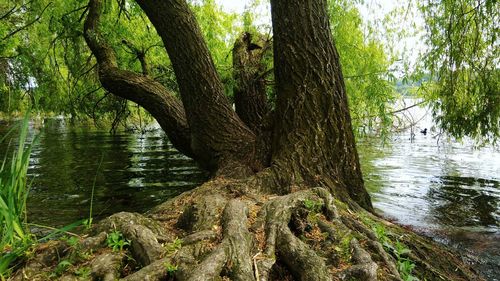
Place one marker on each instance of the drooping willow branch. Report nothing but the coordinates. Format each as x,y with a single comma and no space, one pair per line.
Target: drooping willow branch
14,32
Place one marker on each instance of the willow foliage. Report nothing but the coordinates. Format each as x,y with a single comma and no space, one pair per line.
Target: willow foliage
464,59
366,68
44,59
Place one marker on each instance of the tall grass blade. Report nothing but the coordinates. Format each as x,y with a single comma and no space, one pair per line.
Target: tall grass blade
14,234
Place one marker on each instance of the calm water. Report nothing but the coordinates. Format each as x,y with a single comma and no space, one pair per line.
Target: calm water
446,190
137,172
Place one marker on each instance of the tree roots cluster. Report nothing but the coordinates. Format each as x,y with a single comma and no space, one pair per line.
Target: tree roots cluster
220,232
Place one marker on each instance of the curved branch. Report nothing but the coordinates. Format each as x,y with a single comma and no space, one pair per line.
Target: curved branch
146,92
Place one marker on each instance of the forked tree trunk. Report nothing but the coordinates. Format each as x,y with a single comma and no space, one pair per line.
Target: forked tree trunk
218,136
244,229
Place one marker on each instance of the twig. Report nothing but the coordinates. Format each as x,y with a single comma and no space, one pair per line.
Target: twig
257,277
53,228
28,24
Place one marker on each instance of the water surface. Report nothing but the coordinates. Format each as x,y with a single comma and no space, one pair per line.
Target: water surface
132,172
445,189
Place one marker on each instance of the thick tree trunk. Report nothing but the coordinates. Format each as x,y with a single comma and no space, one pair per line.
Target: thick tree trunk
218,136
240,229
313,141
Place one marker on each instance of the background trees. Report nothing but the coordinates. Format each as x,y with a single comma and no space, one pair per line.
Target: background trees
67,80
290,193
463,59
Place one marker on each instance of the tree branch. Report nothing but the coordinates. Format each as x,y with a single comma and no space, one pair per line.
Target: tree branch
8,13
217,131
14,10
151,95
28,24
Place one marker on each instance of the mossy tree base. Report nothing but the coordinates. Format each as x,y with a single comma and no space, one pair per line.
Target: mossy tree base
223,231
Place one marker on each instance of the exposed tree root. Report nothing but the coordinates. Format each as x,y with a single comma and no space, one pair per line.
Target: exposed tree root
106,266
152,272
364,267
226,233
142,232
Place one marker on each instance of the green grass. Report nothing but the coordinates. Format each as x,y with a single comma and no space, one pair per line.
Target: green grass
16,239
88,222
15,236
13,194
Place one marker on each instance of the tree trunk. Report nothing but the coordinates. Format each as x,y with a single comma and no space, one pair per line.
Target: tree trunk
243,229
218,136
313,141
250,96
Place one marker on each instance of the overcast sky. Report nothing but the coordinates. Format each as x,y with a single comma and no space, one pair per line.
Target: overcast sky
379,5
371,10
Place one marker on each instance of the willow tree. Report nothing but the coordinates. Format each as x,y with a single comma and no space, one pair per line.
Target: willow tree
463,58
285,199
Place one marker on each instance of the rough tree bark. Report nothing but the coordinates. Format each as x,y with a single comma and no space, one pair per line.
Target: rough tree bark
250,97
297,219
313,141
218,135
250,93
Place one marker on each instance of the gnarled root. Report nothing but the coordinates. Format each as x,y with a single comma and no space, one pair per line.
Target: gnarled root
221,231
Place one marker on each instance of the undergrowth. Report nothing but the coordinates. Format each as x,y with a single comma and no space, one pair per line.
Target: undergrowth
15,237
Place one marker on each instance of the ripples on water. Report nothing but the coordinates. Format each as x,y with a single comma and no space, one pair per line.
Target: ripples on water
449,191
137,172
445,189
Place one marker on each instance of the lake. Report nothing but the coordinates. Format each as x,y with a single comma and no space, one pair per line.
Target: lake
443,189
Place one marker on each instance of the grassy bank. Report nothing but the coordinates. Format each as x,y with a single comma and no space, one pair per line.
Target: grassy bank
14,188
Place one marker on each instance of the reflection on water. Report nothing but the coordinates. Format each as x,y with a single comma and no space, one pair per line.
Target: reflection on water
465,201
137,172
447,190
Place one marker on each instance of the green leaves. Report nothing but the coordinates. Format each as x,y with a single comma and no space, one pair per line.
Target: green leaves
13,194
463,58
116,241
173,246
365,64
